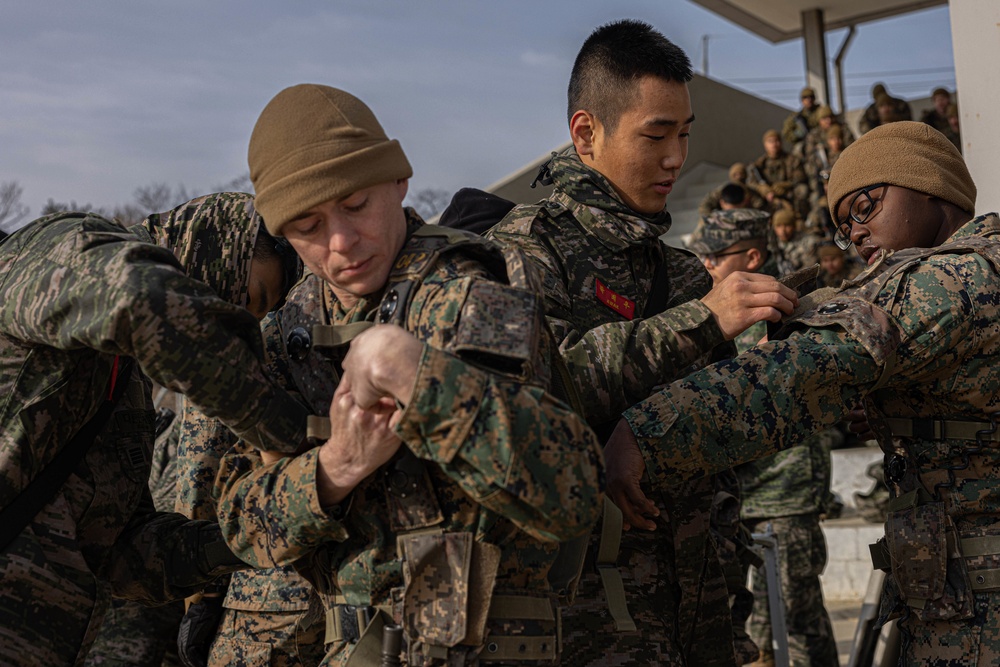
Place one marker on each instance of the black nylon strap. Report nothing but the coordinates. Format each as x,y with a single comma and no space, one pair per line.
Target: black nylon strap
44,487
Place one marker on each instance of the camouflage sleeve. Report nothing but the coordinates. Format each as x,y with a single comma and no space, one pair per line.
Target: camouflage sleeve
784,391
162,556
789,130
90,284
618,363
201,443
766,399
511,446
270,513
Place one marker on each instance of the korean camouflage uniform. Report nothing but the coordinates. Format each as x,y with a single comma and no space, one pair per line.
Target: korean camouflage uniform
598,258
494,471
916,336
75,291
133,633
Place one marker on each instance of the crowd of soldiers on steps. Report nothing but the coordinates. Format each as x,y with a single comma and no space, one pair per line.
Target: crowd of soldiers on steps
304,427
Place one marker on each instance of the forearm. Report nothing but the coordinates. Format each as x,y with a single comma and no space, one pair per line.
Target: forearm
92,285
617,364
757,404
510,446
271,514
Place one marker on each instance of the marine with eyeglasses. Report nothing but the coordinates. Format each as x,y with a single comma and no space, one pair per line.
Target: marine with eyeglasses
914,338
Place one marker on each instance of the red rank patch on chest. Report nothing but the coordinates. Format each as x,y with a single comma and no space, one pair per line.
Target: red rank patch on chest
616,302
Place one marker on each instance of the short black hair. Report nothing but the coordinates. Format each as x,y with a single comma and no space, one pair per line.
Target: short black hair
611,62
733,194
268,248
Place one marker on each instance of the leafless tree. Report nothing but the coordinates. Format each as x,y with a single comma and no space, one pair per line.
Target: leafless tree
429,201
239,184
12,211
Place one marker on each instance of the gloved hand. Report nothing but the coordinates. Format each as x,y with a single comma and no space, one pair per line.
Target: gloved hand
198,629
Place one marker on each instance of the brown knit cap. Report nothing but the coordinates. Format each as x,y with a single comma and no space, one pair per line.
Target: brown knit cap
783,216
829,250
315,143
908,154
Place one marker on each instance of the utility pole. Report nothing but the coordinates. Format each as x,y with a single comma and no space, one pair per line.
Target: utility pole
704,54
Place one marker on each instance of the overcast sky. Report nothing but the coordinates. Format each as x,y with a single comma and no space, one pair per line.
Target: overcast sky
99,98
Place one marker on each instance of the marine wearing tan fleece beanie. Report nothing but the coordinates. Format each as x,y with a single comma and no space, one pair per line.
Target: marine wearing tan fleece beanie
908,154
315,143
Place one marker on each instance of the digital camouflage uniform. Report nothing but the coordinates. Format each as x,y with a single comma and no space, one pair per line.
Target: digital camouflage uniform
784,176
598,259
75,291
850,270
264,619
132,633
796,128
785,494
800,251
493,474
870,119
916,334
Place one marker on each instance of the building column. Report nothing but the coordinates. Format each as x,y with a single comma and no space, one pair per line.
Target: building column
975,38
814,42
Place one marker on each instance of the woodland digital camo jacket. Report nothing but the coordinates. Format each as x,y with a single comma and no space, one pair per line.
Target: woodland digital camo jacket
505,470
916,335
75,291
598,259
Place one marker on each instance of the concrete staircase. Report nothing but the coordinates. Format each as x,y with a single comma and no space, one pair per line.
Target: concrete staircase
847,538
689,190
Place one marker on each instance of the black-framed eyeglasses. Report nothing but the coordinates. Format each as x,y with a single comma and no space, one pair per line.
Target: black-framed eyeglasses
713,257
858,211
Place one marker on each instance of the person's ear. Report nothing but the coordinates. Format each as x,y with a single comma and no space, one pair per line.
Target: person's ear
583,127
755,259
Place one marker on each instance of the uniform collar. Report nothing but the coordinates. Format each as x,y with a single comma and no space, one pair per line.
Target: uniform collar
598,207
984,225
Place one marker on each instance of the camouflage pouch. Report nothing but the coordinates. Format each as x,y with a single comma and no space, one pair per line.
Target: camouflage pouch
935,586
448,584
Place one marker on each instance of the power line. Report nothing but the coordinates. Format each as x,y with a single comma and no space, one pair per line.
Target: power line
847,75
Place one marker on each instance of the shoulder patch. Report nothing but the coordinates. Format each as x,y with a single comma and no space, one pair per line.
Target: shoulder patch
499,328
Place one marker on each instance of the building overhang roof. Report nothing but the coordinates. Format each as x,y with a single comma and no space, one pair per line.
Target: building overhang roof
781,20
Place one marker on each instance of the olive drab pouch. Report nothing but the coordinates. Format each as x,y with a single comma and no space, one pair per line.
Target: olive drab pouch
448,584
921,538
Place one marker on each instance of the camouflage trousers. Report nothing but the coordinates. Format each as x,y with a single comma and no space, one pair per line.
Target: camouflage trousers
675,589
137,636
802,557
261,638
969,643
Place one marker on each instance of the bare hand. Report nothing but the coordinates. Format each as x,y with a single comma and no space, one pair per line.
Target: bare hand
742,299
382,363
362,441
857,423
625,467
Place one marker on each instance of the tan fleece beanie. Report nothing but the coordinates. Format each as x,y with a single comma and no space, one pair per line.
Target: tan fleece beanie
315,143
908,154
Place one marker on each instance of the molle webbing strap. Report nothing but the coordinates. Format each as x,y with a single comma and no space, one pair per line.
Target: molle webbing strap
607,565
943,429
330,336
318,428
335,336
